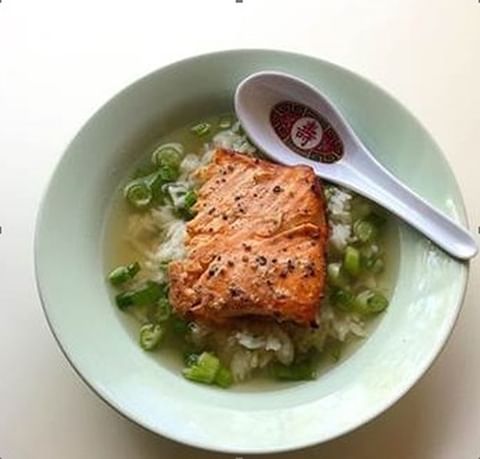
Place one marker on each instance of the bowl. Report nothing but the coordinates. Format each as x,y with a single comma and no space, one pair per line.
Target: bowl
71,277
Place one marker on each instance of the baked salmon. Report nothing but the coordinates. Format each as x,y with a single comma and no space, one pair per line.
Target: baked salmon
256,246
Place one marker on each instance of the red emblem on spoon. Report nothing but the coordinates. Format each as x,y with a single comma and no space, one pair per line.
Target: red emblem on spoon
306,132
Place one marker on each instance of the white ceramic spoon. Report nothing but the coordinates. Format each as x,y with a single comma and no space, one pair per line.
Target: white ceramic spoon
293,123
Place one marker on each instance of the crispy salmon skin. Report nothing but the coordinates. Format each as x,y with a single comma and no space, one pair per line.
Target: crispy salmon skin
256,246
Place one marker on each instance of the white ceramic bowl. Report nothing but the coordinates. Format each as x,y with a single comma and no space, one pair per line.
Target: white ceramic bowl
70,269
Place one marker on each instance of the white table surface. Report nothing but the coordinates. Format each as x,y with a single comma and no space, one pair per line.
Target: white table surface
61,59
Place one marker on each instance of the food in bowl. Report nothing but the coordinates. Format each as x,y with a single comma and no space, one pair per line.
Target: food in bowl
244,266
425,288
256,246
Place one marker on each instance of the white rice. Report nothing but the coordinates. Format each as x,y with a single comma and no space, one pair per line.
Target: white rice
254,345
233,139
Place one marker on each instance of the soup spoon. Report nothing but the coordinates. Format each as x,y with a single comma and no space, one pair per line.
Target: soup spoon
293,123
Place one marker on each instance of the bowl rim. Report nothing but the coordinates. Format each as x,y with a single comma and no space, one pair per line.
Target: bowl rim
179,439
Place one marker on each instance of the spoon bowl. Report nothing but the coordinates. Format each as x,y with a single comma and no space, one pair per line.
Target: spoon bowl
293,123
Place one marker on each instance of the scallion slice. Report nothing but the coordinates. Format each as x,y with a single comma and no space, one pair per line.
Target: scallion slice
182,199
377,266
168,155
156,181
225,122
204,370
164,310
148,294
342,299
179,326
201,129
364,230
150,336
224,377
360,208
176,193
377,303
168,173
369,302
190,199
336,275
351,261
123,274
138,193
190,358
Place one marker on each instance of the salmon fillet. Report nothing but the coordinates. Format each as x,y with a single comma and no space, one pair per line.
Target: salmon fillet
256,246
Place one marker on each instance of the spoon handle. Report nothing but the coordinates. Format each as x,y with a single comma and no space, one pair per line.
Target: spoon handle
369,178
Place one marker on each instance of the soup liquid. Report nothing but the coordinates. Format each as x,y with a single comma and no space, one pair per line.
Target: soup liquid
119,252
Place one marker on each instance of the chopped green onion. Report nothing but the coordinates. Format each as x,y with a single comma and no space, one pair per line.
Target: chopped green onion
367,229
361,300
377,266
168,173
169,155
182,199
124,300
360,208
364,230
225,122
156,182
336,275
199,374
224,377
123,274
333,271
204,370
377,303
179,326
159,180
164,310
300,371
176,193
185,214
150,336
201,129
143,191
190,358
369,302
133,269
342,299
351,261
370,250
138,193
190,199
149,294
367,262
